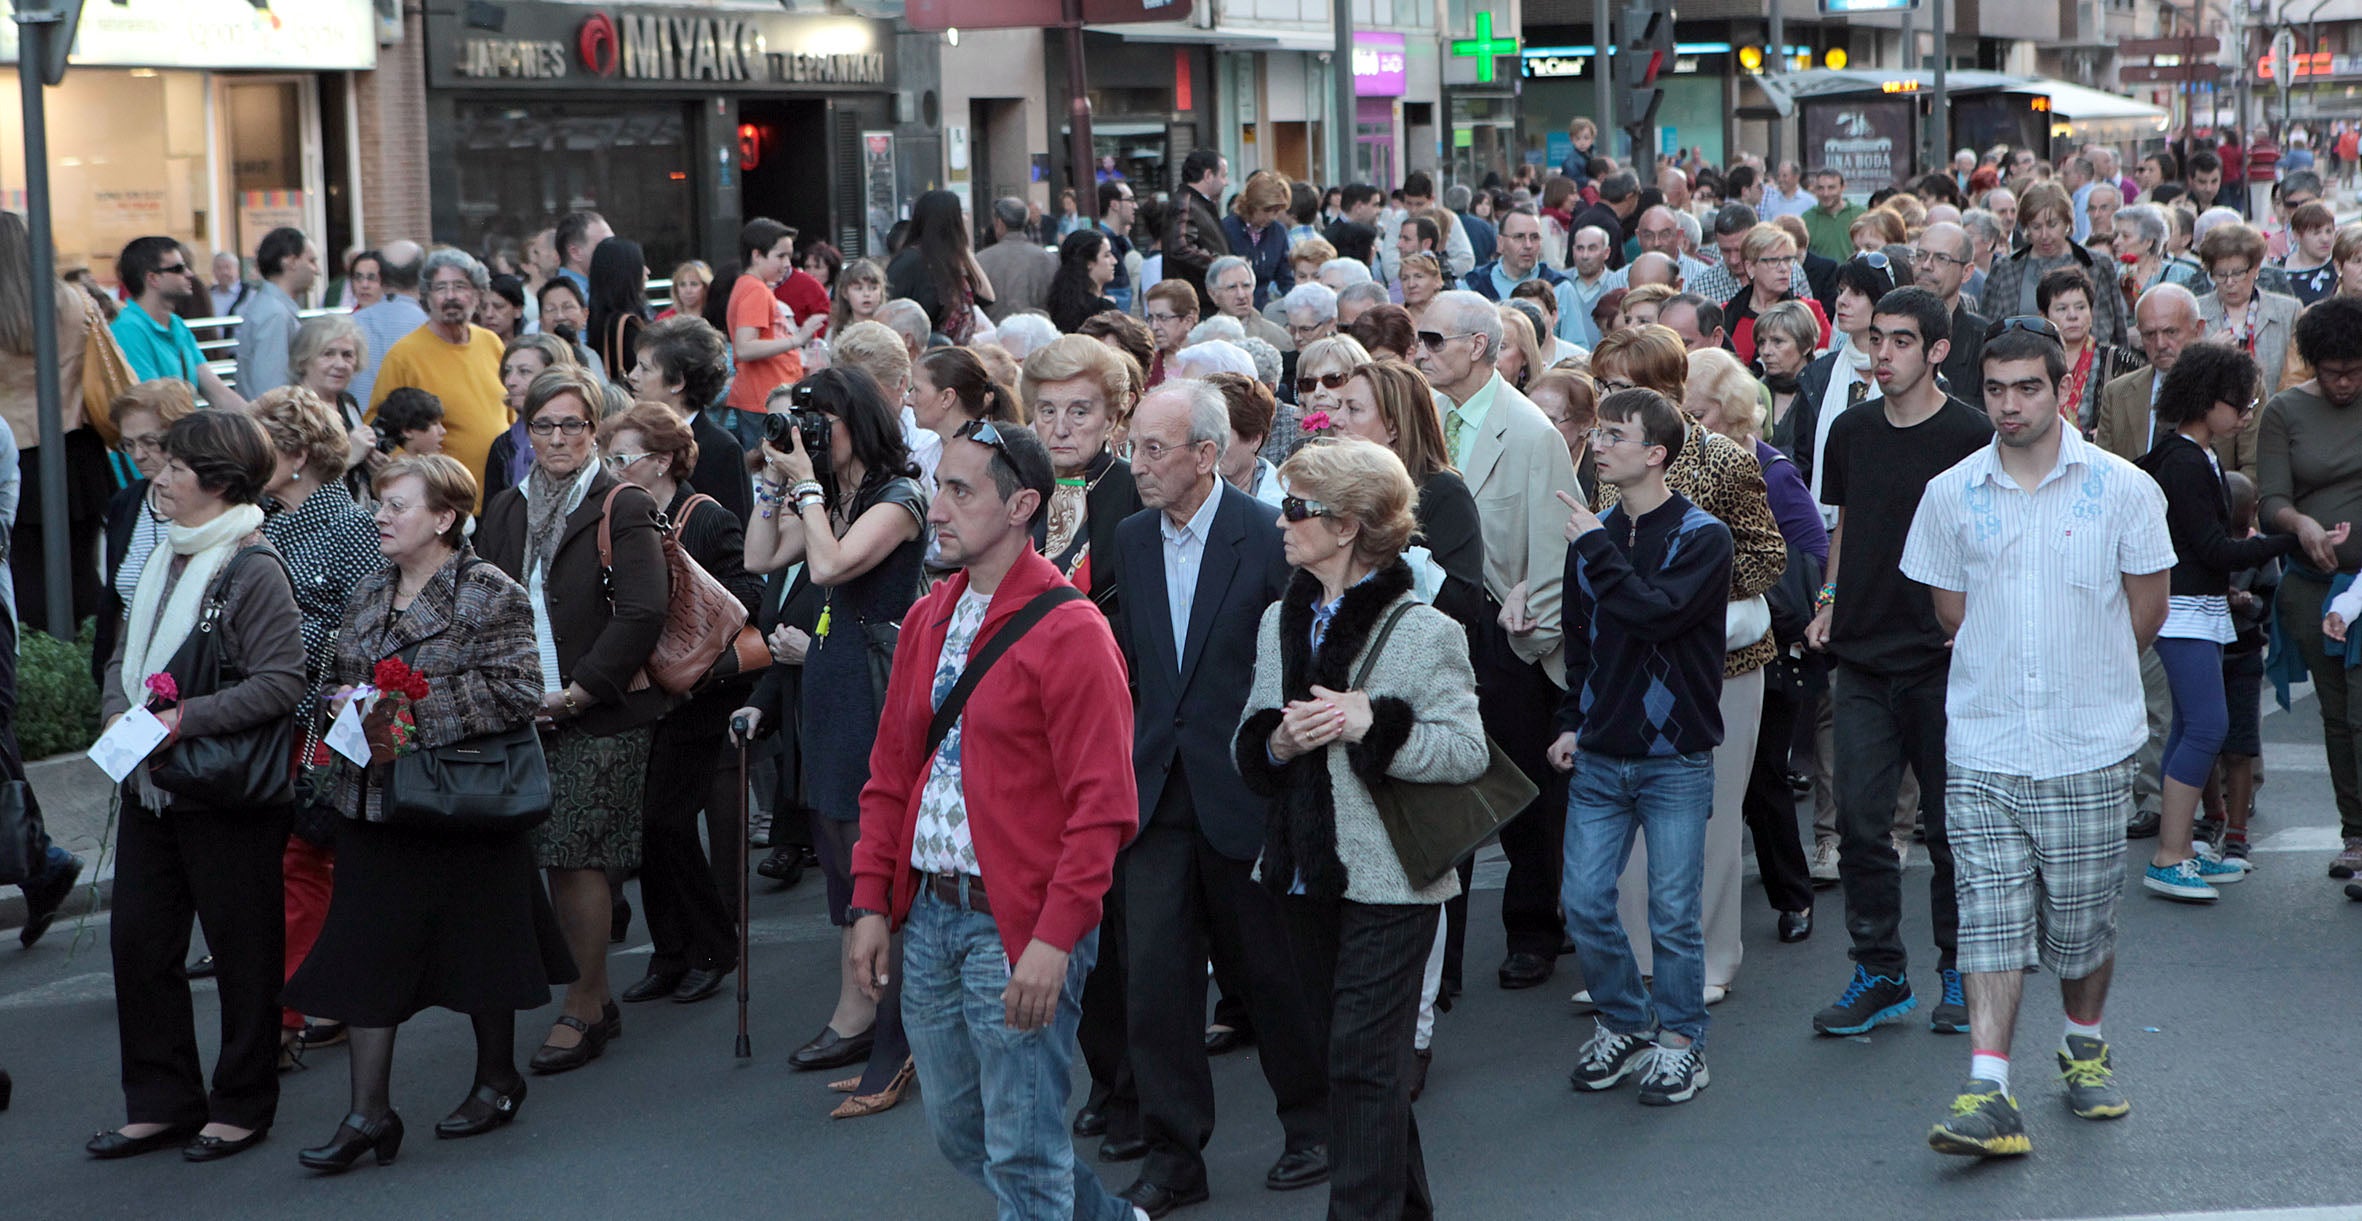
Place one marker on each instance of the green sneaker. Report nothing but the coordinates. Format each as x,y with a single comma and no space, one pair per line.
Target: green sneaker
1984,1123
2091,1081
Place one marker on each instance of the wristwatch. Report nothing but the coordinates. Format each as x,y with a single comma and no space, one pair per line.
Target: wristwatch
853,915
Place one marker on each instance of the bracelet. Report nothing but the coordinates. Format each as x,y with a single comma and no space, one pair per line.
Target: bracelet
808,487
810,500
573,707
1827,597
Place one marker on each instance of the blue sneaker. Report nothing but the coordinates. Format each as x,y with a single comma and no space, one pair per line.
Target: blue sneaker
1951,1016
2220,871
2180,882
1868,1001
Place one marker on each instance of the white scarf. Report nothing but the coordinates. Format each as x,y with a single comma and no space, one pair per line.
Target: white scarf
1850,360
147,635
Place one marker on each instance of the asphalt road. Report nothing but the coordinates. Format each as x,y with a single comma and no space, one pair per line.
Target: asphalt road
2234,1030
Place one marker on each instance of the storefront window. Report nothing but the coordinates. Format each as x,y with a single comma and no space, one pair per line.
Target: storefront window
521,165
127,159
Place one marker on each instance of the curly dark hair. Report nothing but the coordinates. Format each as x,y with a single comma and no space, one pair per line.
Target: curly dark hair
687,349
2330,331
2203,375
407,409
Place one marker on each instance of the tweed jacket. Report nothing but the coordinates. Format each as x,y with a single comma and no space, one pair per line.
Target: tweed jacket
1423,728
1722,477
2004,291
474,638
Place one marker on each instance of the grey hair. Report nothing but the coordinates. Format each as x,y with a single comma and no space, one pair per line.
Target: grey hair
1268,363
1368,292
1690,228
1981,223
1220,326
1457,197
1212,356
2148,220
1318,299
2212,217
2105,185
1470,312
1209,408
901,314
1026,333
1352,271
1010,212
1216,269
450,256
1989,196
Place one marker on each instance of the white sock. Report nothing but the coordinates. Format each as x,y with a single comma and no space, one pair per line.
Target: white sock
2075,1028
1991,1066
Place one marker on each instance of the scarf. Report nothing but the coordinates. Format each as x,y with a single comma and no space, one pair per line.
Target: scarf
157,628
548,503
1780,383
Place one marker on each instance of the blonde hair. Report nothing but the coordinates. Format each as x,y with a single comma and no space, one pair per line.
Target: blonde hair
1650,357
1517,331
1361,482
1717,377
450,488
1647,294
1762,240
1426,261
875,349
299,423
313,338
171,399
1072,356
1886,226
1264,189
1333,354
1314,250
555,352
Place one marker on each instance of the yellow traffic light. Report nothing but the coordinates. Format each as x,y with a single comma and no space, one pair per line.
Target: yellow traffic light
1836,58
1751,58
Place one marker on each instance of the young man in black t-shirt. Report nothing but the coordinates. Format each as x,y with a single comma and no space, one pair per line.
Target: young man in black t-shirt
1888,683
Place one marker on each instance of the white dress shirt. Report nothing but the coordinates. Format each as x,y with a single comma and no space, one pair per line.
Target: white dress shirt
2046,675
1185,554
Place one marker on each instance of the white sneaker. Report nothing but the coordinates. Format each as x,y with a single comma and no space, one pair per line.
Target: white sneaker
1582,1001
1715,994
1903,849
1824,863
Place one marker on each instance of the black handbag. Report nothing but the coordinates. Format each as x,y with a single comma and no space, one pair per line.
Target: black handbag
488,783
1435,826
247,769
877,644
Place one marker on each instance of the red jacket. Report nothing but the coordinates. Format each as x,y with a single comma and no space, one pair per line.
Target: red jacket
1046,764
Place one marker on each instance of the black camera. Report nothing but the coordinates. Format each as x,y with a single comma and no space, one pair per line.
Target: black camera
815,425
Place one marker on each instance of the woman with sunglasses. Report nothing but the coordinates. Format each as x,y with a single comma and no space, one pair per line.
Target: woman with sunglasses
2046,217
859,534
1321,369
596,626
2211,392
2065,296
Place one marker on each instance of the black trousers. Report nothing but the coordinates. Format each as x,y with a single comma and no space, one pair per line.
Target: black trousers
1518,702
1103,1033
1883,722
1770,806
222,869
1361,965
1180,895
688,927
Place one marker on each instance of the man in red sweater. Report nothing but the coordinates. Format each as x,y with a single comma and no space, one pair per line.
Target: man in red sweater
993,860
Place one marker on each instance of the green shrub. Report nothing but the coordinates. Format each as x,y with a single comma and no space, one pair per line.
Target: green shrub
56,703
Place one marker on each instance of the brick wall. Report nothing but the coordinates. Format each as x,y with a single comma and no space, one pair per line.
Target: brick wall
390,111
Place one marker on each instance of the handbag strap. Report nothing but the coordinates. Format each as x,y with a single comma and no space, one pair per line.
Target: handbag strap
218,596
948,712
1361,677
607,528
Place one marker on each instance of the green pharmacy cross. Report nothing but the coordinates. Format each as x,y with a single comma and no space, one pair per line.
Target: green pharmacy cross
1484,47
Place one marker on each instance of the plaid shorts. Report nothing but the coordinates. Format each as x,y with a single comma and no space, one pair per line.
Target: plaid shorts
2041,856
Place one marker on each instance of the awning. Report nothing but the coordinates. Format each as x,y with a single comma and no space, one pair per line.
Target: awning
2072,101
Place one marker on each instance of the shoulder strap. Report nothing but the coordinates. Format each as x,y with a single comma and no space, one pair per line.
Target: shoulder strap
689,506
607,524
949,712
218,596
1370,659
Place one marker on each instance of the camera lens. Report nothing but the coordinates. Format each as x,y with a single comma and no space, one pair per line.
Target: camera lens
778,427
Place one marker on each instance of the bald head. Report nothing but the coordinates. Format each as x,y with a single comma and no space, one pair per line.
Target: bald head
397,265
2168,321
1945,256
1659,230
1654,267
1587,249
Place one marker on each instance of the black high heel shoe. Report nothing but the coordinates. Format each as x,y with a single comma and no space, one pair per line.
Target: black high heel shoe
354,1137
485,1108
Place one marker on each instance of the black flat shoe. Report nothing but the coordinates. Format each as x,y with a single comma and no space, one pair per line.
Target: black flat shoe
485,1109
828,1049
554,1059
1123,1149
655,985
354,1137
1299,1168
107,1146
2143,826
1225,1041
1088,1122
1156,1199
785,865
1796,926
200,969
215,1148
1523,970
700,985
45,898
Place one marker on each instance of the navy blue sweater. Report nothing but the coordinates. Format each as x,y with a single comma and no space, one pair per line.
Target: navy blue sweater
1644,632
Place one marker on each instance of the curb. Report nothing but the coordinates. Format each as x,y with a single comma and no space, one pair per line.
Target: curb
75,799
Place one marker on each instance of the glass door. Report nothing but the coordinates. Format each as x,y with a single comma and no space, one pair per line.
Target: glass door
271,170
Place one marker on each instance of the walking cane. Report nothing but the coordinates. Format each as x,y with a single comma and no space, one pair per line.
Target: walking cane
740,731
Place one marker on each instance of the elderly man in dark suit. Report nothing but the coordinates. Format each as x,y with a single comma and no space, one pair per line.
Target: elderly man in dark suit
1199,565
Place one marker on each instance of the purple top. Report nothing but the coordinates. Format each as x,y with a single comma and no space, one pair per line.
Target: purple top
1792,503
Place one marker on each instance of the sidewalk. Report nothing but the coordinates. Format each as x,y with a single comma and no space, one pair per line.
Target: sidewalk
75,797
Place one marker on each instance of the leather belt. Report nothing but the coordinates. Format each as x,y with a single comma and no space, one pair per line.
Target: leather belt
947,888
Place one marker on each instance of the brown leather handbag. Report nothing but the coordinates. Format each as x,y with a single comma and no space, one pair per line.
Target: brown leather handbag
106,373
706,633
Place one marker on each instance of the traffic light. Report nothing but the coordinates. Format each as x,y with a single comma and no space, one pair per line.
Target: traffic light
1644,48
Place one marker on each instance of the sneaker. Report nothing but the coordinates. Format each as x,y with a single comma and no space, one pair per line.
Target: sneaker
2347,863
2218,871
2208,831
2091,1082
1672,1075
2235,849
1951,1016
1868,1001
2180,882
1608,1057
1984,1123
1824,866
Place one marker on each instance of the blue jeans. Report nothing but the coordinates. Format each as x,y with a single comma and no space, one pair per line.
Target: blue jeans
1609,800
996,1097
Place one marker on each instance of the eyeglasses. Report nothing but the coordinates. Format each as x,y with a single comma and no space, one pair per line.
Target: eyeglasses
1302,334
450,289
1431,340
1608,440
135,446
1925,257
2241,274
1778,260
1296,508
616,462
1158,451
1156,319
1609,385
572,428
2028,323
1334,381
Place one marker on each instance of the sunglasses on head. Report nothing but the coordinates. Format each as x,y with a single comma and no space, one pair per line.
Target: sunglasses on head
1334,381
1296,508
983,432
2028,323
1877,261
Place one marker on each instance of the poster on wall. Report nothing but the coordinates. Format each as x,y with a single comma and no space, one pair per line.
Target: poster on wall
259,212
1867,140
877,177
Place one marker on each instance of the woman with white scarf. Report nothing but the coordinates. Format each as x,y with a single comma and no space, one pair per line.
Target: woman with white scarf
1847,374
176,861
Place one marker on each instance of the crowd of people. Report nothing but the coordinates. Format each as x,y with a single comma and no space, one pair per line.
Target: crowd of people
1251,525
